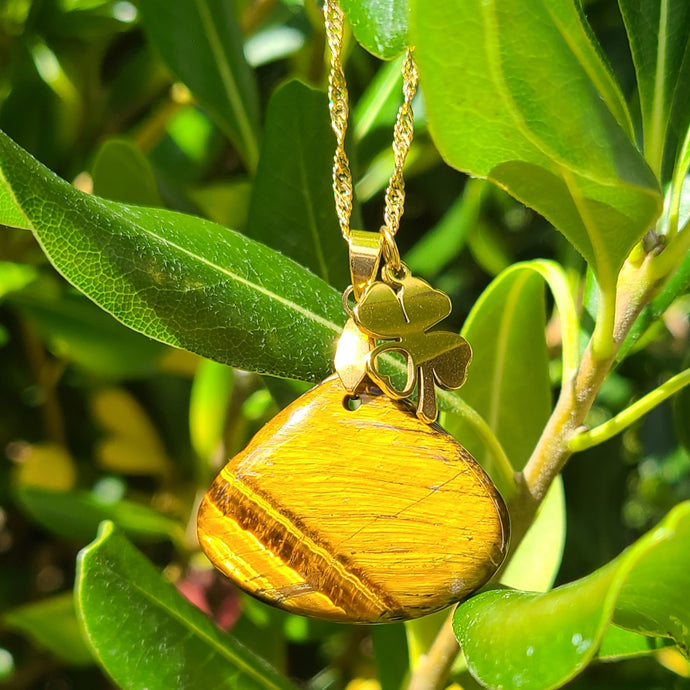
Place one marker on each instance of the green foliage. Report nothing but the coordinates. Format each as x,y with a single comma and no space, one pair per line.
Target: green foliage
123,623
567,624
572,158
292,207
177,279
201,43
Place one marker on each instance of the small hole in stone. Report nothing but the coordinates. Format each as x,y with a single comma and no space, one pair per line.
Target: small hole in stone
352,402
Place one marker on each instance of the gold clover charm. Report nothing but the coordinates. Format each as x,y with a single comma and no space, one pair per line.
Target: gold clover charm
403,317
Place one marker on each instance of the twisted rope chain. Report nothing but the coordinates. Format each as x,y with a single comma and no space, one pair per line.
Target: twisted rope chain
402,136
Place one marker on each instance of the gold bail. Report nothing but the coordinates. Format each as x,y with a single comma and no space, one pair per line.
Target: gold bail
365,254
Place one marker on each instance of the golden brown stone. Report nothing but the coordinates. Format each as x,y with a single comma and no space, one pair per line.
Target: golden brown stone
366,515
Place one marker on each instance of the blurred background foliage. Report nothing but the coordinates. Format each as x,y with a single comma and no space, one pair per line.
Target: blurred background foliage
93,416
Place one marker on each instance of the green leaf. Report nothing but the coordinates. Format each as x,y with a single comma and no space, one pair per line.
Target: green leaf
121,172
201,42
378,105
15,276
292,207
538,557
508,379
80,332
499,111
660,44
180,279
619,643
128,610
77,514
186,281
52,623
644,590
379,25
390,651
208,411
442,243
10,214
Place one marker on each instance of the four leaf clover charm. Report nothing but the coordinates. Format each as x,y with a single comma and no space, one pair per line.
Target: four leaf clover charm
400,313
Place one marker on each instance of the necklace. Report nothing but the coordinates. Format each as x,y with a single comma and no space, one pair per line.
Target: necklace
352,504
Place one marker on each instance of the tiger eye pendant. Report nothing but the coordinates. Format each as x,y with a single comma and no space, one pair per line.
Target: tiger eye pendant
353,509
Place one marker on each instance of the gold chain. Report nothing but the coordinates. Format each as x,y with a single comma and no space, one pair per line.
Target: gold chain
402,137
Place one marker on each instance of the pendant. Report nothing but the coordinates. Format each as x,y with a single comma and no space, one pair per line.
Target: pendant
352,505
362,515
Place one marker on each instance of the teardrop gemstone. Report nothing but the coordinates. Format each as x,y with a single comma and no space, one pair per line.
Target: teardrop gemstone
362,515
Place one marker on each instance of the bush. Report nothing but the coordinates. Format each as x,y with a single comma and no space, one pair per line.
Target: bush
180,281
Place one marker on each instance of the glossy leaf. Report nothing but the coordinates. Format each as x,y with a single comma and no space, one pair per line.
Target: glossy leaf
179,279
659,36
201,42
379,25
508,378
619,643
535,564
52,623
121,172
292,208
127,609
493,75
77,514
643,590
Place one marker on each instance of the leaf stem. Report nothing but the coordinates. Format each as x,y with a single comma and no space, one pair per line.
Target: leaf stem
602,338
631,414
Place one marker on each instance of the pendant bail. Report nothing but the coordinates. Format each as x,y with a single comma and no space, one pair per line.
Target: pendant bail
365,255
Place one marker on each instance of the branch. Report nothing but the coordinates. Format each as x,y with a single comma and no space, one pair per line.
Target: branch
631,414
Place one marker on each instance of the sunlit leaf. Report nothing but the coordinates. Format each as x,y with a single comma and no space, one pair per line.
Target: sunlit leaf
208,410
179,279
128,609
379,25
642,590
508,380
497,110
